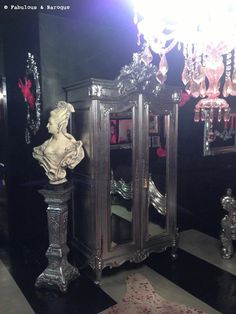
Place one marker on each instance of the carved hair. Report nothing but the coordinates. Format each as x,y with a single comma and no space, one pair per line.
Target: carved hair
62,114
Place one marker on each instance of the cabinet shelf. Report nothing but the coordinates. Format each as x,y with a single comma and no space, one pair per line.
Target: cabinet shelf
121,146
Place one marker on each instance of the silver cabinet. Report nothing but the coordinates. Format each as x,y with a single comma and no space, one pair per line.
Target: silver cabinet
124,202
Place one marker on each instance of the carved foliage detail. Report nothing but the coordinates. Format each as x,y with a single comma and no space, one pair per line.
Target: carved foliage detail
136,75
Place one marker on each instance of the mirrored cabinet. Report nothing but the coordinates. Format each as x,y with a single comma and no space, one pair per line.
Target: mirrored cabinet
124,201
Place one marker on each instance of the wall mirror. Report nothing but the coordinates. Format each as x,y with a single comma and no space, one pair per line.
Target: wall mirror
219,137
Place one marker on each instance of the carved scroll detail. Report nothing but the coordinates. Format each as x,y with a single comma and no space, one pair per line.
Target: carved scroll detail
125,189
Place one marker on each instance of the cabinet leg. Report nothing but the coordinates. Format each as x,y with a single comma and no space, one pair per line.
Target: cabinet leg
98,270
175,245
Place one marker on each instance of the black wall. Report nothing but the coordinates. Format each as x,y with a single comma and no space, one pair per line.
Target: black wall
95,39
20,35
202,181
67,48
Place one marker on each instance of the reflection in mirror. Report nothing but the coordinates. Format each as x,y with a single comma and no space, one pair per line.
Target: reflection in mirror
121,195
157,175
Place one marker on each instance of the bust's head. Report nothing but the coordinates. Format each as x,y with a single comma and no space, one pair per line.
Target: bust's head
59,117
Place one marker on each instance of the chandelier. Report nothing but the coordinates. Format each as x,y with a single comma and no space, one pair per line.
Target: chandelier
205,32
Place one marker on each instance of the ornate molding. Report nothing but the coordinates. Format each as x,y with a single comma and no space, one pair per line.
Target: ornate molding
176,97
95,260
98,263
106,111
117,262
121,187
155,197
57,276
125,189
95,90
140,256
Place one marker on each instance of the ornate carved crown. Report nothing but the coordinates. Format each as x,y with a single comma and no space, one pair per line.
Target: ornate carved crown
136,75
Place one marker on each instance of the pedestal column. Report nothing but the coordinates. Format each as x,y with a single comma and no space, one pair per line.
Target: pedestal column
59,272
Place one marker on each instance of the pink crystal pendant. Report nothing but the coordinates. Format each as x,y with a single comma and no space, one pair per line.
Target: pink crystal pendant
227,89
233,89
214,70
233,84
161,78
219,115
203,89
163,65
194,89
203,115
146,56
161,75
196,115
210,105
185,75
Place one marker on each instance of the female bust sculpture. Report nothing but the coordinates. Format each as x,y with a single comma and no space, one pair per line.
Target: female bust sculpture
61,151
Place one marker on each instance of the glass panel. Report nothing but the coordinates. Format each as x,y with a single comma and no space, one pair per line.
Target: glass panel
121,156
157,175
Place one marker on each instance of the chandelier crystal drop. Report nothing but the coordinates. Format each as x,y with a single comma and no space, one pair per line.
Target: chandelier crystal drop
206,35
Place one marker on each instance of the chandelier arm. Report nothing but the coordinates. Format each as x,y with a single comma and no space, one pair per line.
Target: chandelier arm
163,50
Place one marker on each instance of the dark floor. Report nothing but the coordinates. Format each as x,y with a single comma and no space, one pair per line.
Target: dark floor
203,280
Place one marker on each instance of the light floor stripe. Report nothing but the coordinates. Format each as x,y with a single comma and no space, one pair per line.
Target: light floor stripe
115,287
207,248
11,298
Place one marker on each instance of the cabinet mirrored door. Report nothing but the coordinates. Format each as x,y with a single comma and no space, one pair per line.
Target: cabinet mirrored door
121,176
157,138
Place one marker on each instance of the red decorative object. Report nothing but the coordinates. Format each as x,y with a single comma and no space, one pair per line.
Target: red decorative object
26,92
184,98
161,152
113,127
